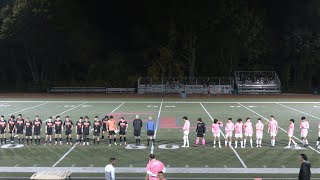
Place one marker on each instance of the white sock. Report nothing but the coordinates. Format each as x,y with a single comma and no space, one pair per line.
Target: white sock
318,143
184,141
250,142
289,143
219,143
214,143
187,139
225,142
241,143
306,141
260,142
244,142
230,143
257,141
236,144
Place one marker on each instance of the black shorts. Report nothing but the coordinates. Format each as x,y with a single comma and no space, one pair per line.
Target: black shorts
79,132
136,132
200,135
86,132
96,133
104,128
49,132
122,132
19,131
58,131
2,131
36,132
112,133
68,131
318,139
150,132
11,131
29,132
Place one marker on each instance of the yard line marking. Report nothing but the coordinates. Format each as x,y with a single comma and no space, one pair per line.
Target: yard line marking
68,110
298,111
27,108
35,165
235,152
157,125
16,165
278,126
55,164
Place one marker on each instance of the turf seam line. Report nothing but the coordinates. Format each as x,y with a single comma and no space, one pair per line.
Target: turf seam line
235,152
278,126
55,164
157,125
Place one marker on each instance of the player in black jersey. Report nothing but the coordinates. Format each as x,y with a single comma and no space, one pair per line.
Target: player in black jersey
104,126
28,130
201,131
123,127
79,129
37,123
68,125
12,128
86,130
48,128
137,125
96,130
20,127
58,127
3,127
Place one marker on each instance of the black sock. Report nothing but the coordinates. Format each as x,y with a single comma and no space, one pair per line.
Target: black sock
36,141
139,142
77,140
110,141
120,139
153,141
136,141
87,139
56,139
148,142
31,140
39,141
114,139
102,137
5,140
80,140
70,140
94,141
60,139
1,140
98,142
67,138
125,139
19,140
27,140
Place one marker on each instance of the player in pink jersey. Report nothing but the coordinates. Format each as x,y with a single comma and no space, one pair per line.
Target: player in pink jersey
273,129
259,132
216,132
154,167
290,133
248,131
304,127
238,132
186,130
318,140
229,129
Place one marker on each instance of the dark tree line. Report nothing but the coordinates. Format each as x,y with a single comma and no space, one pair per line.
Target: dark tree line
104,43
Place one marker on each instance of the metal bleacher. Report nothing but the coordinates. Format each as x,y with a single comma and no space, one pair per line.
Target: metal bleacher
257,82
198,85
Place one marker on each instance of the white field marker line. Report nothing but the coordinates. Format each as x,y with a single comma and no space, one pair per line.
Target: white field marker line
278,126
298,111
68,110
55,164
235,152
27,108
157,124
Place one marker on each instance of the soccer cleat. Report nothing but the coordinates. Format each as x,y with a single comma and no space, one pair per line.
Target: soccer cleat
45,144
115,144
196,145
87,143
60,143
187,146
109,145
56,143
214,146
125,143
84,143
257,145
316,146
251,146
183,146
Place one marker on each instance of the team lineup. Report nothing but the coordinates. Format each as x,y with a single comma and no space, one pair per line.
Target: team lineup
27,131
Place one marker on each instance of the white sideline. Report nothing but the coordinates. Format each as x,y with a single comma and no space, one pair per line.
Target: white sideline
278,126
157,124
298,111
235,152
168,170
55,164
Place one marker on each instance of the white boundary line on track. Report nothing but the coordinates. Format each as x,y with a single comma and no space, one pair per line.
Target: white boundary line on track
55,164
278,126
175,102
27,108
298,111
235,152
157,125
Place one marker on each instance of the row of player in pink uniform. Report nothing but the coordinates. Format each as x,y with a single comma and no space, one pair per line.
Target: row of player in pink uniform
247,127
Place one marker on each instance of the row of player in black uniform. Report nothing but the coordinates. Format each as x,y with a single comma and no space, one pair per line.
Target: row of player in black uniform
25,128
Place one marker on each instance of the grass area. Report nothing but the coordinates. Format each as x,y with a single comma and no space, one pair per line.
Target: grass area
168,135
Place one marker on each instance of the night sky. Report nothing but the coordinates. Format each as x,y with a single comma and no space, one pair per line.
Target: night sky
112,43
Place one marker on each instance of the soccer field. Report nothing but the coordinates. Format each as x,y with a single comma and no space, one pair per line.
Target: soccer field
183,163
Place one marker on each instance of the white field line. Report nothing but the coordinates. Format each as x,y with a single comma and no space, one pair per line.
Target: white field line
55,164
68,110
169,170
235,152
157,125
176,102
278,126
27,108
298,111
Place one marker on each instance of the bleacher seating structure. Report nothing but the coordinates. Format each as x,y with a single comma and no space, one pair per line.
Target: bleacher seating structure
257,82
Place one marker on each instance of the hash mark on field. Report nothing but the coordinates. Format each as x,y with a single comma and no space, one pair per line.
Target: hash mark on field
131,165
225,166
168,165
91,165
283,166
186,166
264,166
206,166
16,165
35,165
73,165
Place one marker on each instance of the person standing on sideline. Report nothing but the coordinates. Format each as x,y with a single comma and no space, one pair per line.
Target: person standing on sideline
216,132
304,127
318,140
305,173
151,126
228,130
290,133
109,170
186,130
201,132
273,129
248,131
137,125
154,167
238,133
259,132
